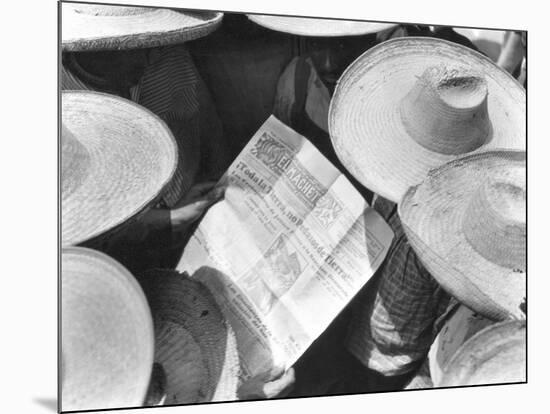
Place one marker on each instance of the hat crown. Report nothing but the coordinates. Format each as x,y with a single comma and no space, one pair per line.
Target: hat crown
75,162
494,223
446,111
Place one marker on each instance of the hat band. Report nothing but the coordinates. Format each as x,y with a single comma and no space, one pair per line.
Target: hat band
446,111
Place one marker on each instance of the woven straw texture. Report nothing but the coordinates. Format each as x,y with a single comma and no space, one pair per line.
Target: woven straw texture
497,354
194,344
466,222
99,27
116,158
107,338
306,26
411,104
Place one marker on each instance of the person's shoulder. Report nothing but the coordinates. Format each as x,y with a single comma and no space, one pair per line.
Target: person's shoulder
383,206
449,34
402,30
165,52
298,72
295,62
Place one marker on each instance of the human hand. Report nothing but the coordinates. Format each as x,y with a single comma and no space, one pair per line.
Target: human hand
194,204
274,384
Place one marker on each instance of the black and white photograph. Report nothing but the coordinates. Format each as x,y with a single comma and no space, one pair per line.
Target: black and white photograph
194,145
280,209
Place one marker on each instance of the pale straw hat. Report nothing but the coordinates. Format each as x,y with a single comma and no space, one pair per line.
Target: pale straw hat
93,27
107,338
466,221
116,157
195,345
310,26
495,355
410,104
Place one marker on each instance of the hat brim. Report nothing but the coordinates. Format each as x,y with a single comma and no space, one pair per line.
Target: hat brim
195,345
130,154
364,115
495,355
107,340
83,29
432,215
318,27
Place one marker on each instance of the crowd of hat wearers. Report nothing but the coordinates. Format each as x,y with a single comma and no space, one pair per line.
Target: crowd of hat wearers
428,124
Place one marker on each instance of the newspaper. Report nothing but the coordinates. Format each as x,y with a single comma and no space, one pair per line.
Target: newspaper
287,249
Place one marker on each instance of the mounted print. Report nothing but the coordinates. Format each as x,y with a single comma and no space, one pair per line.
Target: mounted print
262,206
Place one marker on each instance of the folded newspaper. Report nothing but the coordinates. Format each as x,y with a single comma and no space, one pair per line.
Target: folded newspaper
287,249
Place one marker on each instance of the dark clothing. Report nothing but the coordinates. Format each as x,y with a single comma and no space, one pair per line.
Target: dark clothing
170,87
241,63
302,102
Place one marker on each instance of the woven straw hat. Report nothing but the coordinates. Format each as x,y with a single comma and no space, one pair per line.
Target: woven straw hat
466,222
410,104
93,27
116,158
495,355
194,344
308,26
107,341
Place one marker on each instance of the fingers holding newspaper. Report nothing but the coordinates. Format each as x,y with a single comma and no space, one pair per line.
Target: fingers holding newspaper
291,233
275,384
197,201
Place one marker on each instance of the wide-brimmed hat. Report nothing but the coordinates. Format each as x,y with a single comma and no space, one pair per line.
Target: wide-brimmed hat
93,27
116,157
495,355
318,27
411,104
107,337
466,221
459,325
194,344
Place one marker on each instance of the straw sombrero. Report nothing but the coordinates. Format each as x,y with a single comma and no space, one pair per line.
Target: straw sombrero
495,355
308,26
459,326
116,158
93,27
194,344
107,341
466,221
411,104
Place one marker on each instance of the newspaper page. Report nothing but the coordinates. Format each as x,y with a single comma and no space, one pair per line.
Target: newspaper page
287,249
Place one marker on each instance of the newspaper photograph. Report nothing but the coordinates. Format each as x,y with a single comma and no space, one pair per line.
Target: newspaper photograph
286,249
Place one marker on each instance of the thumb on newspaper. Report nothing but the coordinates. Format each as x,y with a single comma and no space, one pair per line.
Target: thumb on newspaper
281,386
274,384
